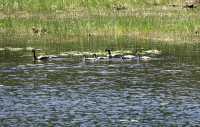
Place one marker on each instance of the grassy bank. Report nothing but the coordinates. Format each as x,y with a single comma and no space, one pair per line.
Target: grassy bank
51,5
68,20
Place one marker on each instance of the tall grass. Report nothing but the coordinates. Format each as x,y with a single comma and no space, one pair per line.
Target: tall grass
47,5
87,21
99,25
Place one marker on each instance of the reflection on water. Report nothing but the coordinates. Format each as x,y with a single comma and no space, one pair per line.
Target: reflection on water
162,92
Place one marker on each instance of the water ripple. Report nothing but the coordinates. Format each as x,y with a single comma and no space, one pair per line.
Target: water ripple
100,94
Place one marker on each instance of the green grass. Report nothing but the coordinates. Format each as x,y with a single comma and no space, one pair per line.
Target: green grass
69,20
50,5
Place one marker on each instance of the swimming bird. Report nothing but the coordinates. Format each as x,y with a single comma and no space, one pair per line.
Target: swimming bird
90,59
95,58
141,55
42,58
138,56
129,57
101,58
133,57
145,58
110,56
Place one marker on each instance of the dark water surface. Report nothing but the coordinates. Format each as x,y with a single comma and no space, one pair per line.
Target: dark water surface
162,92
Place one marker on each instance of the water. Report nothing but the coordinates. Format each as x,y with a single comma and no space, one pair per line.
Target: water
162,92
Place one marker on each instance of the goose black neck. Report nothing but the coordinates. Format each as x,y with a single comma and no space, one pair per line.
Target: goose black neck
95,55
109,53
34,55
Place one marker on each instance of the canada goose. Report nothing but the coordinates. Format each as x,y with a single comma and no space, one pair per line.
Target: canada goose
129,57
100,58
110,56
42,58
133,57
90,59
137,56
140,54
145,58
95,58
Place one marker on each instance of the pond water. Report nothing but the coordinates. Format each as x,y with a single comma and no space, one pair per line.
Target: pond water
70,92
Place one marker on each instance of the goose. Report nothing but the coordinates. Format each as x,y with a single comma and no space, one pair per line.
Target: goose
90,59
42,58
114,58
141,52
95,58
144,58
132,57
138,56
129,57
99,57
110,56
